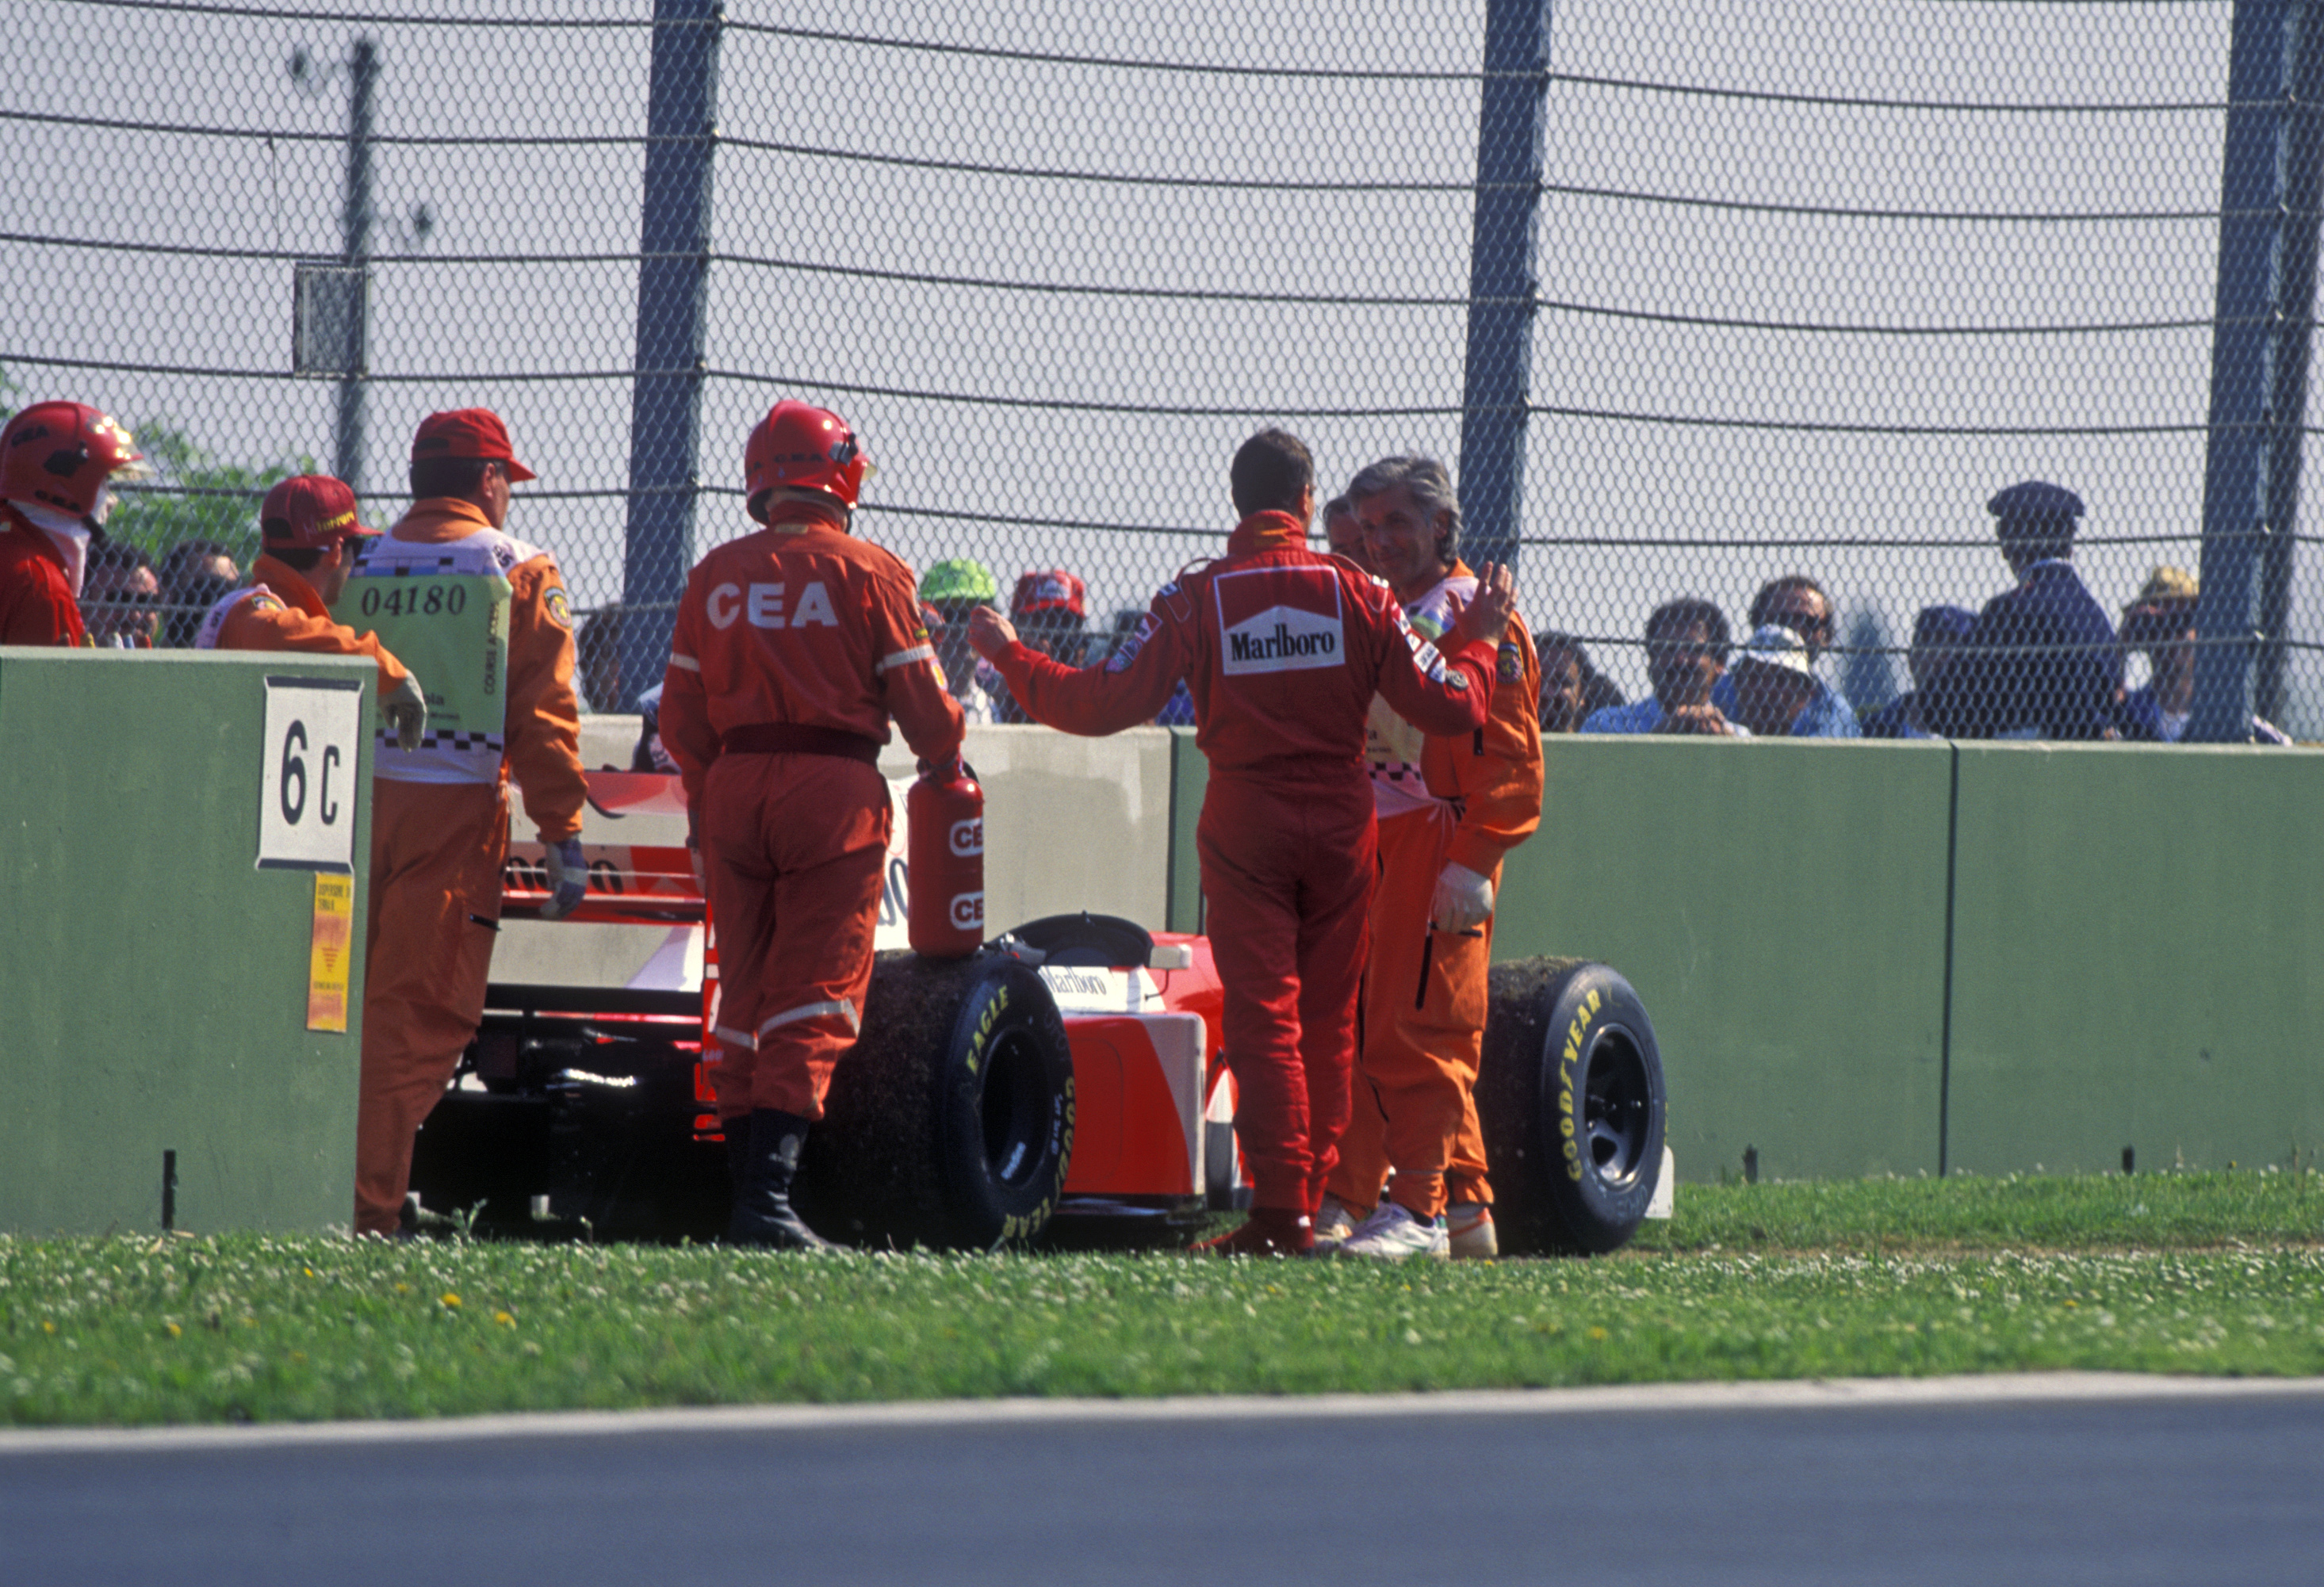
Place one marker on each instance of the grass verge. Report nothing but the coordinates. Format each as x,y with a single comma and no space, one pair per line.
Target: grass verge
2216,1275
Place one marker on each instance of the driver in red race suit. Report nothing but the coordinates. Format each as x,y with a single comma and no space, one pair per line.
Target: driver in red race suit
794,647
1282,648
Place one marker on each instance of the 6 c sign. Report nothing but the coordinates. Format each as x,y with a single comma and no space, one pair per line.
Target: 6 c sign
307,783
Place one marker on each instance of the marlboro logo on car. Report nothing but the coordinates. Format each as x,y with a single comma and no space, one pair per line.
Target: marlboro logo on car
1276,620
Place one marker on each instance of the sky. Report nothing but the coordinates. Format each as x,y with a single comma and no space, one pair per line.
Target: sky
988,388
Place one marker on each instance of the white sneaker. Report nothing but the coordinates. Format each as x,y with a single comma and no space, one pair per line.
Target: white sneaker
1392,1234
1334,1223
1470,1225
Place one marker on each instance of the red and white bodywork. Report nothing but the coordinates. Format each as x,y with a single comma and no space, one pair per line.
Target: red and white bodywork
1154,1103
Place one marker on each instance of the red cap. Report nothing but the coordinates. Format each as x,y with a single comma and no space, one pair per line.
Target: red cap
309,510
468,432
1050,590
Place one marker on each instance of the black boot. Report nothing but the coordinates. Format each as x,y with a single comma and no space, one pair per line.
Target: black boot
762,1201
737,1131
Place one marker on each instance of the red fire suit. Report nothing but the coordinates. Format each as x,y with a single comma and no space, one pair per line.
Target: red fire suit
36,598
438,839
1282,649
281,611
1466,799
794,647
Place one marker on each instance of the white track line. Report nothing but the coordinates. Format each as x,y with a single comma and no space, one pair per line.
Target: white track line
1868,1393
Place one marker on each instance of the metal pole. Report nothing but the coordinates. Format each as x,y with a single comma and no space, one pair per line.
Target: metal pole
355,228
1502,286
673,297
2259,355
2302,172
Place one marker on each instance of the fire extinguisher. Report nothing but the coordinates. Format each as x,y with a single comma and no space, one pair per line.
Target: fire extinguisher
946,810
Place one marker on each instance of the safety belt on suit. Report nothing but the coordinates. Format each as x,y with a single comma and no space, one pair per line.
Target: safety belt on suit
443,610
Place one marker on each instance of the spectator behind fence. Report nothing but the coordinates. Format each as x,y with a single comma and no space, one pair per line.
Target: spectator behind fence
1050,608
597,660
1797,602
2041,662
1571,686
949,591
1775,683
2162,622
1343,533
120,598
1686,655
1937,632
196,575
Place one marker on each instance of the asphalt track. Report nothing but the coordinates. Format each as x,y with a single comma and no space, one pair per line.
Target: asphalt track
2050,1480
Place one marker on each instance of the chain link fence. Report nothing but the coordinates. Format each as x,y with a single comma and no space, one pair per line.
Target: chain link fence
1780,290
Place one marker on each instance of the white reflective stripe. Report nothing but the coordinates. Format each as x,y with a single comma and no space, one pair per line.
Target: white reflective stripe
741,1039
687,662
906,657
810,1011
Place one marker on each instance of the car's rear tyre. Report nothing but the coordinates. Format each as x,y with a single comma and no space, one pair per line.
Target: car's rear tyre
950,1123
1570,1096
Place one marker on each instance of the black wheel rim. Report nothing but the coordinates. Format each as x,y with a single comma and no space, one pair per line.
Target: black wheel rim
1015,1111
1616,1108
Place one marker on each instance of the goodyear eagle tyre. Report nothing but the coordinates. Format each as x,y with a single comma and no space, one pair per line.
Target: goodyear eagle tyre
1570,1096
950,1123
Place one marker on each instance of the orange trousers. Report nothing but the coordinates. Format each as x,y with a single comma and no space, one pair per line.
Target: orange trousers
795,848
436,854
1423,1031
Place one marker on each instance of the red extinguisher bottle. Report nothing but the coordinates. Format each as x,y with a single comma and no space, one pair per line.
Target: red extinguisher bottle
947,857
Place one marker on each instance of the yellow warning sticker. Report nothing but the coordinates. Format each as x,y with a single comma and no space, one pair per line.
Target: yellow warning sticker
330,951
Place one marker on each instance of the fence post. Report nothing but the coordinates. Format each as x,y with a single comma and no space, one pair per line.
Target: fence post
673,296
1496,384
355,231
2268,195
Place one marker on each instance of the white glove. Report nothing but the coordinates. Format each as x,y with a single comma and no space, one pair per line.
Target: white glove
569,880
407,713
1463,901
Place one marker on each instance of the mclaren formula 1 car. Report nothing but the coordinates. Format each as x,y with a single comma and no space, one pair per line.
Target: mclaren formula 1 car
1065,1082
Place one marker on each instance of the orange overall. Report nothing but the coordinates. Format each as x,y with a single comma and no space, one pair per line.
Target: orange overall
438,839
1465,799
793,648
281,611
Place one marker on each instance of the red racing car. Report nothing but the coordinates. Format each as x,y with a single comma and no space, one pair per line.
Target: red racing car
1066,1080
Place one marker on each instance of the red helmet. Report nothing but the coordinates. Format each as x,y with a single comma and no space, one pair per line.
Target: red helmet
800,447
61,454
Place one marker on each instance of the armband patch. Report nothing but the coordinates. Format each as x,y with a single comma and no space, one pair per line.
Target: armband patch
262,603
560,610
1510,667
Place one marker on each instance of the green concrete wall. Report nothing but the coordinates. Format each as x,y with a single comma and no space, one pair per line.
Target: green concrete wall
2135,963
1780,907
152,980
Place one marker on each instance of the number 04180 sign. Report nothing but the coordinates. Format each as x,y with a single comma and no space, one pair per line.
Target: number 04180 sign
307,783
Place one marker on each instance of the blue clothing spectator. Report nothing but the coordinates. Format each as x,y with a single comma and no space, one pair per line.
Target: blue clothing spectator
1686,654
1178,712
1826,715
1896,719
1797,604
2041,662
2161,621
1935,631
